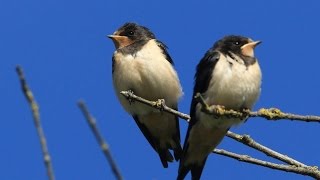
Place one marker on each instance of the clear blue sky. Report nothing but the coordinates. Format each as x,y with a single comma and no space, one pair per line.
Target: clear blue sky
62,47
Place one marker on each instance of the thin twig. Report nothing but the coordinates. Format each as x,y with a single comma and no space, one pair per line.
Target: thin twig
305,170
36,116
272,114
160,104
277,114
103,144
247,140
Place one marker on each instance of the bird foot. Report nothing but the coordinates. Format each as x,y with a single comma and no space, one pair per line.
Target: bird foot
245,112
218,110
160,103
129,98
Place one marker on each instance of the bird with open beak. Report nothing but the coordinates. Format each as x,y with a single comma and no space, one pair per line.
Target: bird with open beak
228,75
142,64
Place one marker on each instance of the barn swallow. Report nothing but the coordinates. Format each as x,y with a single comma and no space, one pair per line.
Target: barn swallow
141,64
228,75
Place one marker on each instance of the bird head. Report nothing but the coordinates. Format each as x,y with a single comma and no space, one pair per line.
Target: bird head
237,44
130,33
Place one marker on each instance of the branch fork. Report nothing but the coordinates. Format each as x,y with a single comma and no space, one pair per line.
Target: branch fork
291,165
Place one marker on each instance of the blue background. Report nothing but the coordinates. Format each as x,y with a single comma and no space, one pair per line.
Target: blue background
62,47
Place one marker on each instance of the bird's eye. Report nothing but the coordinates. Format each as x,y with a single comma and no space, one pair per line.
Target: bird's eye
236,43
131,33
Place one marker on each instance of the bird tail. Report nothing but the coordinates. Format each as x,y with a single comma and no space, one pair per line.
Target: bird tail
196,170
183,171
165,157
196,166
177,152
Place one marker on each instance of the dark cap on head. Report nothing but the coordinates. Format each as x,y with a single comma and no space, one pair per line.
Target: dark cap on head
135,31
237,45
130,33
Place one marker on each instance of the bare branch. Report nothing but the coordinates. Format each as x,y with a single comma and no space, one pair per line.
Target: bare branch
246,140
103,144
305,170
271,114
160,104
36,116
277,114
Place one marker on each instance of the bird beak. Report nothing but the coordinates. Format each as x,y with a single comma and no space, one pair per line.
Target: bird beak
110,36
248,49
120,41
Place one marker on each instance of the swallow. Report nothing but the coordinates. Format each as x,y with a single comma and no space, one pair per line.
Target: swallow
229,76
142,64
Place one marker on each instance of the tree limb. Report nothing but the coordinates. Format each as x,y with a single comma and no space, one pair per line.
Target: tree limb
36,116
159,104
247,140
270,114
103,144
305,170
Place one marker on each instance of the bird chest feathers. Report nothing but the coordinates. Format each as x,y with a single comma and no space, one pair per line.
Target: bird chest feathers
233,84
148,74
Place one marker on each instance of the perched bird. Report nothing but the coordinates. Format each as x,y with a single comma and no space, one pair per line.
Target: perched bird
228,75
142,64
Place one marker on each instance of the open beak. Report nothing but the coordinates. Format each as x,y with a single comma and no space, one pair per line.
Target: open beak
248,49
120,41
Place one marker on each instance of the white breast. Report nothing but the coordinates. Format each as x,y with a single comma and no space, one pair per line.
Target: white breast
148,74
234,86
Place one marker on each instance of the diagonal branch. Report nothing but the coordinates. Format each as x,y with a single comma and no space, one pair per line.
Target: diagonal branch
36,116
160,104
270,114
247,140
103,144
305,170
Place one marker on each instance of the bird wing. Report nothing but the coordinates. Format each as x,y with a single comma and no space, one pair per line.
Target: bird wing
176,137
164,154
165,51
145,132
202,79
113,63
